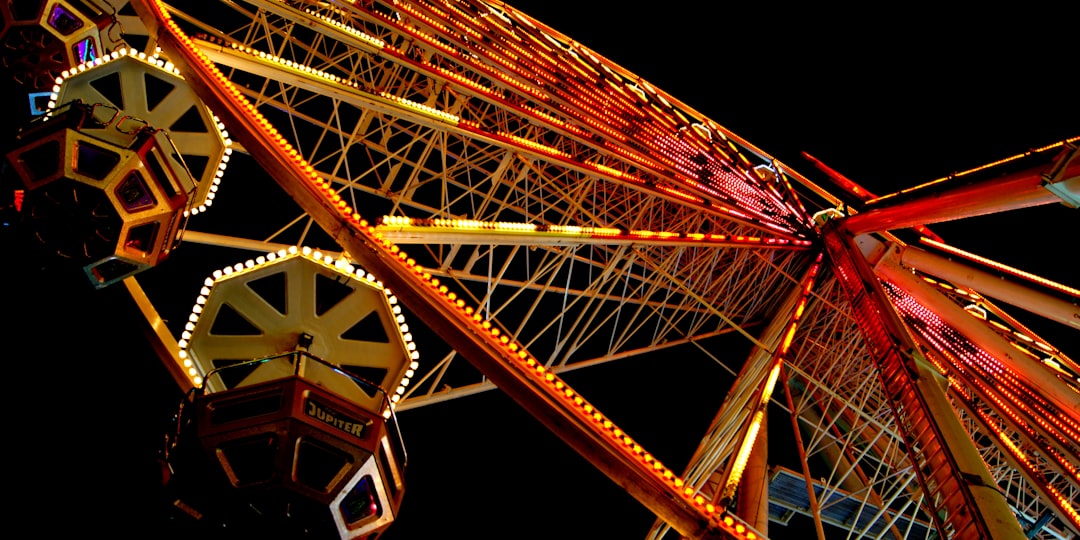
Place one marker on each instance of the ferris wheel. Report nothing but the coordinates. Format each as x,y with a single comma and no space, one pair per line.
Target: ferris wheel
538,211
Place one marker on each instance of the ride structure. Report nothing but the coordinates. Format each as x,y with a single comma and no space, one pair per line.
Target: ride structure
543,210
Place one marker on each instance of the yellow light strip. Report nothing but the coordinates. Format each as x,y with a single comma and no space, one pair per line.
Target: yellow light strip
372,40
395,224
425,110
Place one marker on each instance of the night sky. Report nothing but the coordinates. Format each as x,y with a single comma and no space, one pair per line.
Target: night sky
889,99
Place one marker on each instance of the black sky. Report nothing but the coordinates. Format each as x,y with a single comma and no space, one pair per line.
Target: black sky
890,98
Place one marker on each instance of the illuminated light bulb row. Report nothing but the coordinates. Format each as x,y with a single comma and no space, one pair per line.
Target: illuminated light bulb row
732,211
680,194
457,54
151,60
527,88
528,74
1025,342
430,39
769,384
1001,267
510,64
604,169
576,230
168,67
743,455
500,226
599,104
461,79
1066,503
542,148
737,186
514,43
460,15
551,119
1023,422
421,108
410,345
686,162
402,6
1039,410
636,156
542,50
349,29
340,265
1006,382
1061,500
597,113
514,55
293,65
219,173
1006,408
1033,151
500,25
583,69
595,125
1012,447
700,187
618,91
602,127
938,329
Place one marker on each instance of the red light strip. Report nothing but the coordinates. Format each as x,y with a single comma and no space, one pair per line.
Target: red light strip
1018,422
975,361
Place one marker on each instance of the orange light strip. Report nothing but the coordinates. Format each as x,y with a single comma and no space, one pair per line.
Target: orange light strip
680,194
747,445
998,266
1059,144
264,132
522,141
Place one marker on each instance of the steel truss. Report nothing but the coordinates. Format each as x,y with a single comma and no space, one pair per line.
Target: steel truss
472,111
